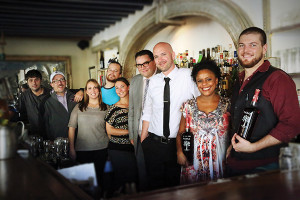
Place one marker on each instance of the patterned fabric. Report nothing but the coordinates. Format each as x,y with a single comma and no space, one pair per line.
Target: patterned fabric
210,139
118,118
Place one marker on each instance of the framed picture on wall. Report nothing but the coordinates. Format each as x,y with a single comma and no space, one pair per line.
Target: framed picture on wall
93,72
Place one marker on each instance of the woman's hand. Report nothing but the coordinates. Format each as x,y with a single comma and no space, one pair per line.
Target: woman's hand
181,159
228,151
73,154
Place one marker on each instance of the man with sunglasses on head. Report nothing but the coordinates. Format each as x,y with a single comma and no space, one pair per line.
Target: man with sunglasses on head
108,91
138,88
58,107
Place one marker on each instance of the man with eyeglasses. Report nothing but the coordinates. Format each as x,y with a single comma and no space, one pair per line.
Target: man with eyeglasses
138,88
108,91
58,107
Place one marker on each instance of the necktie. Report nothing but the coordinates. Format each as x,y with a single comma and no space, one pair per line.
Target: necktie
145,92
166,118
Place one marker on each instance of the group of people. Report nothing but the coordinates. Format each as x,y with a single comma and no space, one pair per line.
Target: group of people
138,126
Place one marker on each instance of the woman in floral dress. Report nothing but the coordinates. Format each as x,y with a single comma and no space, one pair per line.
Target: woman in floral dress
209,119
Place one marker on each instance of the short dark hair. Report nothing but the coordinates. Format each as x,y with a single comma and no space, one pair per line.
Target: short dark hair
144,52
263,36
209,65
115,61
124,80
33,74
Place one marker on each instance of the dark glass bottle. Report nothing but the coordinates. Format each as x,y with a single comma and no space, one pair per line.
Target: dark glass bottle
102,60
208,54
249,118
188,143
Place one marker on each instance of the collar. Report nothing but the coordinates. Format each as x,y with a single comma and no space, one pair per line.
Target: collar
263,68
171,75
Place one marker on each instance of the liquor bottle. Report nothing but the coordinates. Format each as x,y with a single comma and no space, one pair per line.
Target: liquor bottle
191,63
208,54
102,60
249,118
200,57
203,55
188,142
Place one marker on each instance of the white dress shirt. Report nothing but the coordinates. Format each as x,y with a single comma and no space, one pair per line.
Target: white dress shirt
182,88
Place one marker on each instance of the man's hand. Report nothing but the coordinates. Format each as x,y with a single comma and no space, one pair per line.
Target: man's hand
144,136
181,159
78,96
242,145
131,141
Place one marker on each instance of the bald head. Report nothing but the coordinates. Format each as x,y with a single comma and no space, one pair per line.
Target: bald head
165,45
164,57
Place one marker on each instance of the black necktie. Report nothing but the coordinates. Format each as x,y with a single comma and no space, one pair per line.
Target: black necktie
166,127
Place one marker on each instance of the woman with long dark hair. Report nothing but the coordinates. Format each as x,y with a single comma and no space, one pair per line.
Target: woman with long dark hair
120,150
88,118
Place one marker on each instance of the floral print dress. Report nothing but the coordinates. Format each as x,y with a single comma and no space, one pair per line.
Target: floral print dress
210,141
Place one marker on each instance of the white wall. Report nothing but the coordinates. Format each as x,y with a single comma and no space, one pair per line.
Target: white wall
198,33
81,60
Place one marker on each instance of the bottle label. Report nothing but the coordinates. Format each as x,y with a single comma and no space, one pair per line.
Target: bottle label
186,142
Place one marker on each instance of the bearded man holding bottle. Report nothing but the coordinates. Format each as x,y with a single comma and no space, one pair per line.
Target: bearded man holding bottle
278,110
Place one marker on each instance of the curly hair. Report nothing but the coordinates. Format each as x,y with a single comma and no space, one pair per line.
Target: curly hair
209,65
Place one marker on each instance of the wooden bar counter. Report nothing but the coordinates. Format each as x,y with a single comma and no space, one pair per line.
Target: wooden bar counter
29,178
274,185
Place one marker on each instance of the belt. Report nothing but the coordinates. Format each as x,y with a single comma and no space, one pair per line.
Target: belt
161,139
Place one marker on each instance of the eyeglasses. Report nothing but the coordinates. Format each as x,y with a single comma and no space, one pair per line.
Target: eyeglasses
59,80
145,64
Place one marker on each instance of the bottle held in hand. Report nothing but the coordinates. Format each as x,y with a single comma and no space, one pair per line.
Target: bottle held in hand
249,117
188,143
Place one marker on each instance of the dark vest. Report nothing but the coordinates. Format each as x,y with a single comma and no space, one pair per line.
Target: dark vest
265,122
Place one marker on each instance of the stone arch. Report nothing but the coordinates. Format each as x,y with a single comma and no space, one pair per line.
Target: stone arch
226,13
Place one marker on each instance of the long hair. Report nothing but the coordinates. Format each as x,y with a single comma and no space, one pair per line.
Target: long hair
83,105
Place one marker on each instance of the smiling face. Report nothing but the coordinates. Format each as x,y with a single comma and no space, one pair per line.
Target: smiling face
59,84
122,89
164,57
146,66
113,72
92,90
251,51
206,82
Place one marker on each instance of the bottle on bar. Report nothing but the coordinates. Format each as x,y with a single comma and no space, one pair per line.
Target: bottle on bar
102,60
200,57
208,54
203,55
249,118
188,143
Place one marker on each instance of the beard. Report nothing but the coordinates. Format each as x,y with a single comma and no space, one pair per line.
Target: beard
110,80
250,64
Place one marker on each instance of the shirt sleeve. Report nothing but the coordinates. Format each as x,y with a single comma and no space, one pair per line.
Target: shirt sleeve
110,115
194,89
73,122
280,90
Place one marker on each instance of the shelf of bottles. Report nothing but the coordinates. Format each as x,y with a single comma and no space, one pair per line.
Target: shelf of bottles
225,59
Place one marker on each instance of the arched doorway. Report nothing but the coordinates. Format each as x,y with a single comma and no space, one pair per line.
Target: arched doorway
229,15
